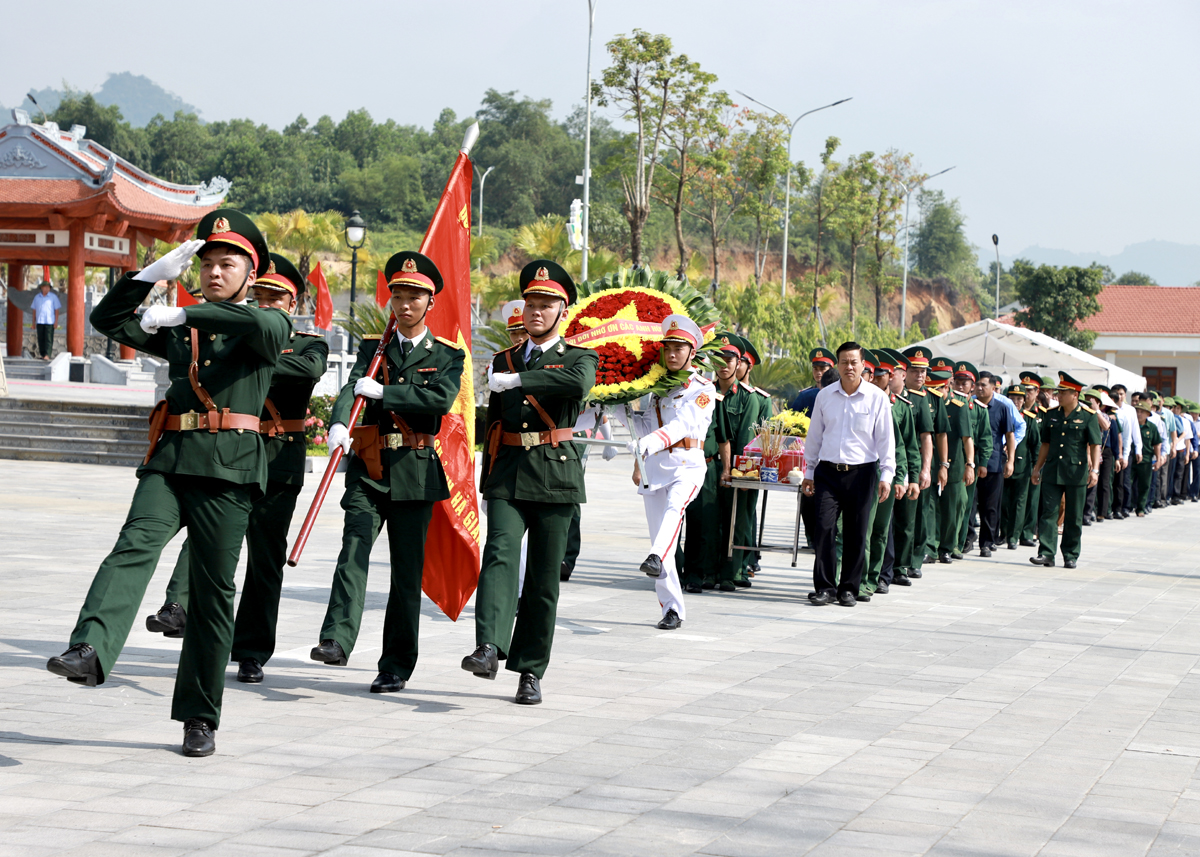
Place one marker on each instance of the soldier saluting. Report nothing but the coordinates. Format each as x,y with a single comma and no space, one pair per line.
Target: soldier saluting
205,467
532,481
395,476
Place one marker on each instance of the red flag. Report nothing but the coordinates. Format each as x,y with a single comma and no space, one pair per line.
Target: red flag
382,293
183,297
323,317
452,547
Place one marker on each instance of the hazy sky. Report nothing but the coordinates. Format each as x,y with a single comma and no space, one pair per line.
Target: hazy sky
1070,124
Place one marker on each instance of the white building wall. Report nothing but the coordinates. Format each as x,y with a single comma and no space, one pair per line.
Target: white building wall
1138,352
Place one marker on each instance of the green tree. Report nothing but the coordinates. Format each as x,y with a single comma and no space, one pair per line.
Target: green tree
1057,299
763,164
388,190
720,188
1134,278
105,125
892,168
824,206
855,189
941,247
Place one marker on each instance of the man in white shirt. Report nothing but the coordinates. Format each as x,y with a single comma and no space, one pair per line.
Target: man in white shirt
1183,453
45,308
850,459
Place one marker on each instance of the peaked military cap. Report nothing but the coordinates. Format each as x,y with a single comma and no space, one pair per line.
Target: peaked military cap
543,277
749,351
898,360
1014,389
514,315
1031,379
868,359
730,342
822,355
281,276
229,226
680,328
884,362
918,356
1066,382
410,268
963,369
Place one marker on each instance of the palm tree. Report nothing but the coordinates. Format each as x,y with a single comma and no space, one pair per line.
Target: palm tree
302,235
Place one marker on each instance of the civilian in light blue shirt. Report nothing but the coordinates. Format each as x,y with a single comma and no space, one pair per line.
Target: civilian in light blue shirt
45,308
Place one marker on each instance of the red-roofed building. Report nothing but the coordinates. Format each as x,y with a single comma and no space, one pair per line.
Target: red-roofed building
66,200
1153,331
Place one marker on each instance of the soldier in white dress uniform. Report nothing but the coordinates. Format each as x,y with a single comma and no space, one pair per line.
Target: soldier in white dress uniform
669,465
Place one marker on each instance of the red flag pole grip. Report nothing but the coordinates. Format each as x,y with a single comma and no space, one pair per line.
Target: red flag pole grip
335,457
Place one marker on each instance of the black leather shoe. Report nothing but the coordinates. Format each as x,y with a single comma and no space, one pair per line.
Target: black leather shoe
882,588
1047,561
708,584
862,596
482,662
1086,522
564,572
846,599
742,584
329,652
387,683
693,588
249,671
168,621
956,555
1028,543
198,738
944,558
820,599
726,586
670,622
1068,563
901,580
529,691
969,546
985,552
78,664
930,558
652,566
915,573
1012,546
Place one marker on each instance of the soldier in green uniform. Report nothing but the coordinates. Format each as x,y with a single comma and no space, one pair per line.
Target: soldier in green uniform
1152,457
301,365
1032,382
206,465
890,369
532,481
910,526
1068,464
395,476
961,472
766,410
741,406
965,378
938,386
1015,498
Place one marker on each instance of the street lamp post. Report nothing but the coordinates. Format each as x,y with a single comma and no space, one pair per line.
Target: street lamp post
787,192
356,237
996,241
482,179
908,240
587,144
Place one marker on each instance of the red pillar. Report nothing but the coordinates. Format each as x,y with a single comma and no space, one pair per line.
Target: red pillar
128,353
16,318
75,286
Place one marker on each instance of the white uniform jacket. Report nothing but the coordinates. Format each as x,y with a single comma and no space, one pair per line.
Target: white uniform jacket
684,412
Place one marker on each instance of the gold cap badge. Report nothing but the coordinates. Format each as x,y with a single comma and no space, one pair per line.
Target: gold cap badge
271,268
542,274
409,266
221,224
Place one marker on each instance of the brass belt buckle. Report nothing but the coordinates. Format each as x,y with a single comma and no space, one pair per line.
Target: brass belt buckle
842,468
395,441
189,421
531,438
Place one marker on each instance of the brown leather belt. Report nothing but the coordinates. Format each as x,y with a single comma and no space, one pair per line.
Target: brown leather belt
213,421
529,439
686,443
270,428
398,440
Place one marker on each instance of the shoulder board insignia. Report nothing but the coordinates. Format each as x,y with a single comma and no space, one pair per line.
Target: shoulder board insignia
917,393
762,392
900,398
448,342
957,402
937,393
315,335
1030,414
1089,410
373,336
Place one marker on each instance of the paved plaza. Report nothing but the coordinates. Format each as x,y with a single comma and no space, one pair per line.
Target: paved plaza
994,708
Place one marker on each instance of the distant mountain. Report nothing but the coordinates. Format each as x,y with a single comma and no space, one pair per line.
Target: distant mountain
1170,264
139,98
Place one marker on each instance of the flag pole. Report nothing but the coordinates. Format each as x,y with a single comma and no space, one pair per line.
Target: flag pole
336,455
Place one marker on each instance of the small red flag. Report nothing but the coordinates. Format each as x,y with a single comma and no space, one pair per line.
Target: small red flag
183,297
382,293
323,316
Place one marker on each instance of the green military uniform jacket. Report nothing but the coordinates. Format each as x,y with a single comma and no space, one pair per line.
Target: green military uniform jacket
239,346
718,432
1027,449
983,433
908,442
1151,437
960,422
300,367
1068,437
420,388
559,379
741,407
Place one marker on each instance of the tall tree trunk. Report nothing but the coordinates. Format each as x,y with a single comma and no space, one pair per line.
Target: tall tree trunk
716,260
853,278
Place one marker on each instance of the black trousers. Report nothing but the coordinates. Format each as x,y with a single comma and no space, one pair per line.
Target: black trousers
851,494
45,339
1104,488
1127,498
987,494
887,571
1181,475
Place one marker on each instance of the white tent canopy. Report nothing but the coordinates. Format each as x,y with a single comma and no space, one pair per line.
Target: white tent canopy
1006,350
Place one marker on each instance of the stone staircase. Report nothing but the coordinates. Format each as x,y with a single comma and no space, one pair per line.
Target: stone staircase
78,432
26,369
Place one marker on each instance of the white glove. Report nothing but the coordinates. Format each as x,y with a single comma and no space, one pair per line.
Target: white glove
170,266
501,381
652,443
610,452
339,435
634,448
368,387
163,316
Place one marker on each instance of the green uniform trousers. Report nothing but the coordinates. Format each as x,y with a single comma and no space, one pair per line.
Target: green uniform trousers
1072,534
367,511
734,567
574,539
702,552
216,514
905,539
927,532
526,644
1029,531
266,555
1143,477
964,525
877,541
952,506
1014,503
